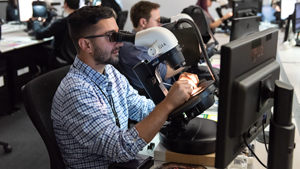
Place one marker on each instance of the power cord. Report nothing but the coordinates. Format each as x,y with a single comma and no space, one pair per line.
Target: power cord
264,136
254,153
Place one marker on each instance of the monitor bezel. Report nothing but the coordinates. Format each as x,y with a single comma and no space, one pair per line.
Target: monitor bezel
241,27
244,6
234,85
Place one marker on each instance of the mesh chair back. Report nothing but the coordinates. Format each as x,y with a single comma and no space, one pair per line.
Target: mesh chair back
37,96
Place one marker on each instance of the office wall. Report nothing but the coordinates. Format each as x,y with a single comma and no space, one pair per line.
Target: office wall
168,8
58,7
3,5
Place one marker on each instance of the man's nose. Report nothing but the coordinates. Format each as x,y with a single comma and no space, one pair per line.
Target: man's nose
119,44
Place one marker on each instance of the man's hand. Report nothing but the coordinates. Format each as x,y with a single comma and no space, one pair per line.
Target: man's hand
178,94
40,19
190,77
228,15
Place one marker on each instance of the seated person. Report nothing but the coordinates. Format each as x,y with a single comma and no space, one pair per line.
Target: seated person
92,105
12,11
58,28
204,4
143,15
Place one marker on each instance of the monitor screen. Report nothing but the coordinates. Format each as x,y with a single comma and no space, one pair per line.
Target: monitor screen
96,2
296,20
244,8
25,9
287,8
248,65
241,27
39,10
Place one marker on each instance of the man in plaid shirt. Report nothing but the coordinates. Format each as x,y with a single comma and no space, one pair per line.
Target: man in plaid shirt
92,105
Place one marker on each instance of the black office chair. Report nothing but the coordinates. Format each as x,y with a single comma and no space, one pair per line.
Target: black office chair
7,148
199,18
121,19
37,96
67,50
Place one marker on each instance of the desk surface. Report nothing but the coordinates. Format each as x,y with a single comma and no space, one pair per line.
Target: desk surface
14,37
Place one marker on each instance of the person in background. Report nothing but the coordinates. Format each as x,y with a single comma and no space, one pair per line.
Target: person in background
12,11
143,15
92,104
58,28
112,4
205,4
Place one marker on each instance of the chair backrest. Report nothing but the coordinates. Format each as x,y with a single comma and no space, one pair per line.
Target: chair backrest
67,49
121,19
197,13
37,95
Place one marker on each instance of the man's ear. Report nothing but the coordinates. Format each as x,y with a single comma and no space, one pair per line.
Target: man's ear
143,22
85,45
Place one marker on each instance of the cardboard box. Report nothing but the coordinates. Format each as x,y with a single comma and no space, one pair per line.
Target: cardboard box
162,154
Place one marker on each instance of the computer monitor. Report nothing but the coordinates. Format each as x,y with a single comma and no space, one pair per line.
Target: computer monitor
97,2
244,8
247,66
287,8
25,9
296,18
39,9
241,27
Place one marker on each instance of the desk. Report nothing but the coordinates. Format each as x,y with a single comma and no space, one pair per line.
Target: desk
290,73
17,51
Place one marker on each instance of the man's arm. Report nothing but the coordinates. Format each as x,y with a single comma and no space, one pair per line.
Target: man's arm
171,72
50,30
150,126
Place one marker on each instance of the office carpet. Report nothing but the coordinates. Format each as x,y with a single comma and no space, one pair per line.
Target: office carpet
29,151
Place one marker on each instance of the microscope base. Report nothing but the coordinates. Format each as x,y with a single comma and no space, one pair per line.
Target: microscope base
198,137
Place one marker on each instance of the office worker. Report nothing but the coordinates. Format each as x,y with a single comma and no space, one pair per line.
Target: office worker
143,15
205,4
58,28
12,11
92,105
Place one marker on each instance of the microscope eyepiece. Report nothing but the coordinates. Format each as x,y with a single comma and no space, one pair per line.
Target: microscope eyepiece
122,36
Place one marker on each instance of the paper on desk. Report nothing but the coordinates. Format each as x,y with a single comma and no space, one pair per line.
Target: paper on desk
213,117
1,81
14,42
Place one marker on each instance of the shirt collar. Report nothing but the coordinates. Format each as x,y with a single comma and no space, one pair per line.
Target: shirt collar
92,74
133,31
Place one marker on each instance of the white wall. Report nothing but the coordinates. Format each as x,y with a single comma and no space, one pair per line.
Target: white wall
168,8
58,7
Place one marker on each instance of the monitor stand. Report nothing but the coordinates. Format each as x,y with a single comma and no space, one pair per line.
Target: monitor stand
282,130
297,39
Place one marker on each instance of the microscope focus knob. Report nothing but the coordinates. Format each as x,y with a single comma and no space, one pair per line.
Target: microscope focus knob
152,51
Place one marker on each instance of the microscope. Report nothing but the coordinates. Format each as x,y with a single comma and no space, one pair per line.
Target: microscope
223,4
182,132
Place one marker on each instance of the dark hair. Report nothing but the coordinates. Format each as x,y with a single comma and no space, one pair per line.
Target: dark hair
202,4
142,9
82,21
73,4
12,3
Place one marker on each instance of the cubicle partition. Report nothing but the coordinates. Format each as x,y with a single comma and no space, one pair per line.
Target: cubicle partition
3,4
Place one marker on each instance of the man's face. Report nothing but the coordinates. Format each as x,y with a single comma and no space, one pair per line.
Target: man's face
104,51
154,20
209,3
